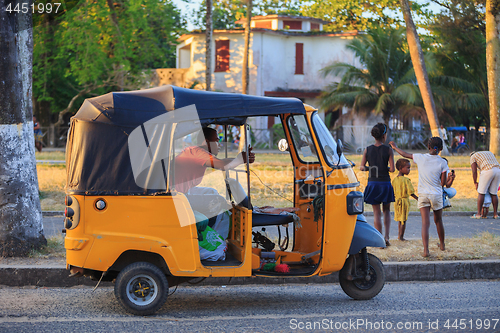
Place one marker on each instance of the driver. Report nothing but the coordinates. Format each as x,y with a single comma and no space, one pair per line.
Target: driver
191,163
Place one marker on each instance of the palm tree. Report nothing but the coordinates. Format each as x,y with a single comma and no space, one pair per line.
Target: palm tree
208,45
417,58
492,54
385,81
248,29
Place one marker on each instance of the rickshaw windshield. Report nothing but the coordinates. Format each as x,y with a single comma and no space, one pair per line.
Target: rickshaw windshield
302,139
327,143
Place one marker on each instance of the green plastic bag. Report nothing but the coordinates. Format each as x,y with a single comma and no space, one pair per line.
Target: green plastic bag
211,239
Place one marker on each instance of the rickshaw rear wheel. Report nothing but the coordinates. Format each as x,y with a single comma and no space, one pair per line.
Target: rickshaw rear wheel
141,288
356,283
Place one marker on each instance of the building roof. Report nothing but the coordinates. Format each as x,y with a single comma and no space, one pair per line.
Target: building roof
287,17
274,32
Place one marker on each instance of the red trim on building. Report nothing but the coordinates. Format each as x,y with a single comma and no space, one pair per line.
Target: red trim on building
299,58
222,55
292,25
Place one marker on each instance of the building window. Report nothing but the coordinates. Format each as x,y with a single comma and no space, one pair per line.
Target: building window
299,58
314,26
264,24
222,55
292,25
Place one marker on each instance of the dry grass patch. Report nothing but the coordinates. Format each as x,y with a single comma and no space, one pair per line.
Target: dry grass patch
483,246
275,171
53,249
51,182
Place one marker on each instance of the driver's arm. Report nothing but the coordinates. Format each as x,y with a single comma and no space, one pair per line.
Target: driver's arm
230,163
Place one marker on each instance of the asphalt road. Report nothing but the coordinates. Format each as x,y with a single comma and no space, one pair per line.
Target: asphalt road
455,227
400,307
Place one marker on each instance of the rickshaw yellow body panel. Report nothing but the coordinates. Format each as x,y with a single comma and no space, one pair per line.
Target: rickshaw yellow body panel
151,224
334,239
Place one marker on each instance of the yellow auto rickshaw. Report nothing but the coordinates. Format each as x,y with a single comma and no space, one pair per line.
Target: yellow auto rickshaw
126,222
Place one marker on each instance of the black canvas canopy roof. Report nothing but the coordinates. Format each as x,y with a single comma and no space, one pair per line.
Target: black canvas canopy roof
97,154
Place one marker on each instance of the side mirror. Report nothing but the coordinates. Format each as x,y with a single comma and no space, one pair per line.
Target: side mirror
283,145
340,148
329,152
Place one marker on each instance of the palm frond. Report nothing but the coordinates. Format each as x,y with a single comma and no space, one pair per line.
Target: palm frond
408,94
384,104
454,83
340,98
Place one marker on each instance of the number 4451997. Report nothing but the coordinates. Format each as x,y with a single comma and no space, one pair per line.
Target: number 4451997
39,8
478,324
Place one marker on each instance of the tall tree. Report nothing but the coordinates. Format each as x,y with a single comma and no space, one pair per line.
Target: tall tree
225,13
459,47
101,45
493,65
359,15
385,80
208,45
417,57
248,30
21,226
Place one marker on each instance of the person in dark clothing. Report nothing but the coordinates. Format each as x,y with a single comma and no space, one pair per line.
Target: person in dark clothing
380,159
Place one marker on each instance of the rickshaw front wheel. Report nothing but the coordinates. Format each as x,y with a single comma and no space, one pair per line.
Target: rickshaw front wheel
355,281
141,288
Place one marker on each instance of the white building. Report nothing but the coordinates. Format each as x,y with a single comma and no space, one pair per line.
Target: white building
285,58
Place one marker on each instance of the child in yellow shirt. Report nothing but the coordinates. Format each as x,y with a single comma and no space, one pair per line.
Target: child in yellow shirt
403,189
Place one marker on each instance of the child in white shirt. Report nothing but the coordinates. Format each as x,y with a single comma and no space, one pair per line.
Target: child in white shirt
431,179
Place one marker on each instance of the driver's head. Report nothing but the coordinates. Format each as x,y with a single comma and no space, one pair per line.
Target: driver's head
211,139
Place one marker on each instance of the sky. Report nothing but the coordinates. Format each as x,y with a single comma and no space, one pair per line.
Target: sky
187,9
190,6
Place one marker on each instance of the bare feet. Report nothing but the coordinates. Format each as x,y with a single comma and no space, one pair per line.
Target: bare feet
387,243
402,239
441,246
425,254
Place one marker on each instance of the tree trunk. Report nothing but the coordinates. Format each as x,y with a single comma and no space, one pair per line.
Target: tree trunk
417,58
493,70
21,227
208,44
248,29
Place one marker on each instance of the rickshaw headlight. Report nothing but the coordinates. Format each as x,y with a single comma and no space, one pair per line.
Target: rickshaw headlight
355,203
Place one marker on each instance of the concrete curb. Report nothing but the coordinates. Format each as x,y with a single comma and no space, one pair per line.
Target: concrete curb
58,276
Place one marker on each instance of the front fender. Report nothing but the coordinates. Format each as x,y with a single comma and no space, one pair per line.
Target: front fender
365,235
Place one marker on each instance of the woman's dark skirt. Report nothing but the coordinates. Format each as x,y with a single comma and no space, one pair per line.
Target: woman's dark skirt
379,192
